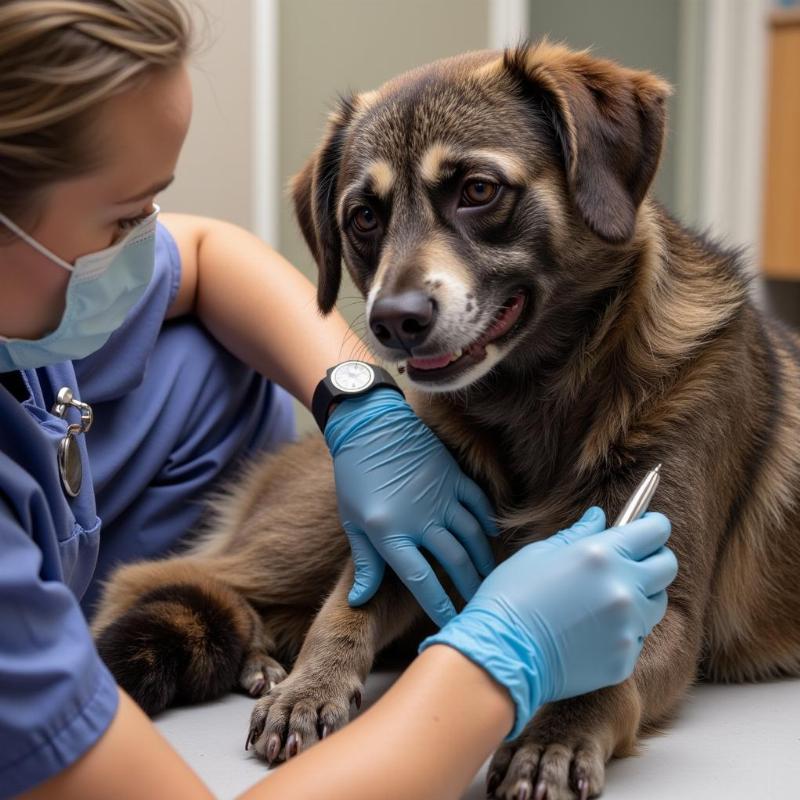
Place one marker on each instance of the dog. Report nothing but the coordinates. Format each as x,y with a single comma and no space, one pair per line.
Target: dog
561,333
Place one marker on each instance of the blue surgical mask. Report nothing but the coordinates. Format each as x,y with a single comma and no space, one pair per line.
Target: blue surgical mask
102,289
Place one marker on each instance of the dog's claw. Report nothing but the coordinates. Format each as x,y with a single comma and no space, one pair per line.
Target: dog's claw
325,731
256,729
273,747
583,788
541,792
293,745
492,781
357,698
522,792
257,688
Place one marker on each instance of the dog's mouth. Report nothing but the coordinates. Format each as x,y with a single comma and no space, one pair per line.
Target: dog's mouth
448,365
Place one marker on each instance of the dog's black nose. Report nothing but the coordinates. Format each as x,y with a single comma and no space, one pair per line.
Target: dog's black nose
402,321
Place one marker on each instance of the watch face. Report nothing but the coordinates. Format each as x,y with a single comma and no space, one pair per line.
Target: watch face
352,376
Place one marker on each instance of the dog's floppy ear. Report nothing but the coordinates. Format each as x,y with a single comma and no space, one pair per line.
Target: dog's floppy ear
609,122
314,195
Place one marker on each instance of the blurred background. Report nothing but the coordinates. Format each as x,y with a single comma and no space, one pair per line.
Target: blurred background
269,71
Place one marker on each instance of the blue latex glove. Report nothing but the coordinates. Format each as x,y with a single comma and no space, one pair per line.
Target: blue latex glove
399,490
569,614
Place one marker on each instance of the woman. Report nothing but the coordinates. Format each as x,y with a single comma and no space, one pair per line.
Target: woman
139,360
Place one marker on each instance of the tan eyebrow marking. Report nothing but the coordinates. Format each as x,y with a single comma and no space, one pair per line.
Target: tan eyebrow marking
507,162
433,159
382,177
430,165
379,174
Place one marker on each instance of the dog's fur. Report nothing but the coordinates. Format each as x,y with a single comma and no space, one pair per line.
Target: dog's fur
638,343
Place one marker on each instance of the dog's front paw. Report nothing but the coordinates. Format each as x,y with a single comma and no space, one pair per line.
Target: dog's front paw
536,766
300,711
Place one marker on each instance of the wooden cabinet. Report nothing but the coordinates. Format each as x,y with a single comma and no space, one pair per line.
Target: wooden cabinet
781,225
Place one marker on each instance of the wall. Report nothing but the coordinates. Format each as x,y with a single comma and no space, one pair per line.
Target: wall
214,172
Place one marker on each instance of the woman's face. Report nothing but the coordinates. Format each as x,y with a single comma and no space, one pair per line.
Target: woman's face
139,134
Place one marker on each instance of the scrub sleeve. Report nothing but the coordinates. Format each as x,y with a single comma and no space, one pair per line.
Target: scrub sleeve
174,412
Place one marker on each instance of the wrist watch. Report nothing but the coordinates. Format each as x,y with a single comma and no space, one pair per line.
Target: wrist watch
348,379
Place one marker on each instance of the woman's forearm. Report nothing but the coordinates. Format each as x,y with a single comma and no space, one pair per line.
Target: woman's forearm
425,738
130,761
256,304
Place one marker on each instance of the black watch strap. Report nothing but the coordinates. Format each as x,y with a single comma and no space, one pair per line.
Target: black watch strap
345,380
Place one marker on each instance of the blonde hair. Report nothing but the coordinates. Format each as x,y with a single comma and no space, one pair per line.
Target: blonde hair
59,60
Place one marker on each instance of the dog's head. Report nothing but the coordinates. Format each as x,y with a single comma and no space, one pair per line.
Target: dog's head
469,199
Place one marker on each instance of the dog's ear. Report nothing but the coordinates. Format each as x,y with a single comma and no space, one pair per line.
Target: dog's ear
609,122
314,194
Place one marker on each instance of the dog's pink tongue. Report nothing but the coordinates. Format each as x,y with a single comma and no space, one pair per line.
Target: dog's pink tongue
437,362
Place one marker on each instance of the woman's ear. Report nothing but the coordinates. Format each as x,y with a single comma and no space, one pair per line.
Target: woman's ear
314,194
609,122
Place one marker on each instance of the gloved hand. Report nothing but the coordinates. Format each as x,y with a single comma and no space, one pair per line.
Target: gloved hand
569,614
398,490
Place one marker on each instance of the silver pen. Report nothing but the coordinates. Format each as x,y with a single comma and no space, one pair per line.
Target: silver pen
640,499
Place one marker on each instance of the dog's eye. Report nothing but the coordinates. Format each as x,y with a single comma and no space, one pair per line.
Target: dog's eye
364,219
478,193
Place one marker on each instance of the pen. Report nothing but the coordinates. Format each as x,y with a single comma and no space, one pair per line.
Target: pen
641,497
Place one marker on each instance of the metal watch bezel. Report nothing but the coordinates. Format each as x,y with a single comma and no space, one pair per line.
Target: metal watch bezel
370,376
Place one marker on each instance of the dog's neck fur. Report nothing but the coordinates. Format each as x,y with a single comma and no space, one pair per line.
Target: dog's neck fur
577,418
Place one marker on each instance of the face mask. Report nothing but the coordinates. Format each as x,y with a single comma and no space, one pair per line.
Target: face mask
102,289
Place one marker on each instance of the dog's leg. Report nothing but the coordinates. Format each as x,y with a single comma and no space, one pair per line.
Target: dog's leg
331,668
562,752
171,631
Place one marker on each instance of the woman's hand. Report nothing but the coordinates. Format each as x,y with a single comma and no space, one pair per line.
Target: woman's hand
399,490
569,614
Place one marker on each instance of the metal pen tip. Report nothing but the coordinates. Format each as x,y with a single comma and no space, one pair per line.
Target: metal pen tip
637,503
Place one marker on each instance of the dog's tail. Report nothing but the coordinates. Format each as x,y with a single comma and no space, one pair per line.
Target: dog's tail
171,633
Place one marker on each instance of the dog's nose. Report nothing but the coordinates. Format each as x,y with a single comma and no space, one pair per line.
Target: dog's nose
402,321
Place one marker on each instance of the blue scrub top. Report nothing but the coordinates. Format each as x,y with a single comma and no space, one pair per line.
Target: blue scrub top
174,412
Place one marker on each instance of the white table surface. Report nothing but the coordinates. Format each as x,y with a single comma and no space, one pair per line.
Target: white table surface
727,742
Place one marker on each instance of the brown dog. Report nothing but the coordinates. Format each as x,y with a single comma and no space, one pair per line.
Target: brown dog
563,333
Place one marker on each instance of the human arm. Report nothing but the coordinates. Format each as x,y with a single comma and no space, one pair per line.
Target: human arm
444,715
568,614
129,762
256,304
425,738
264,311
